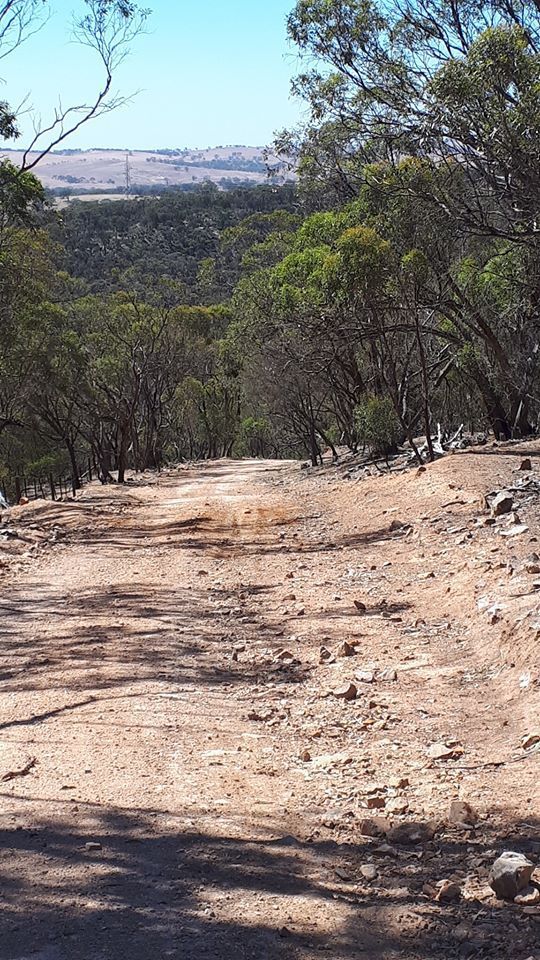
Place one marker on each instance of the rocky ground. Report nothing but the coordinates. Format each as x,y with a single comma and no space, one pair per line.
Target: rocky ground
252,711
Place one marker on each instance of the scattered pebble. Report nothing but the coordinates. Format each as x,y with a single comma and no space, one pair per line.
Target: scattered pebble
347,691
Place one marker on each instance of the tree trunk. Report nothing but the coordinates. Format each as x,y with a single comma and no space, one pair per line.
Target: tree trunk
329,444
75,479
315,453
495,411
123,454
425,389
520,419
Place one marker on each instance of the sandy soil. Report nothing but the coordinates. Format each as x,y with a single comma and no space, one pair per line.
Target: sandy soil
162,700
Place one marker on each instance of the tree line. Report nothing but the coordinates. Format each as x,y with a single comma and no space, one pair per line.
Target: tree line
394,288
128,363
423,140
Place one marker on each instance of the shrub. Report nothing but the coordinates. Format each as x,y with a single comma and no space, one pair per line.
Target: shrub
377,425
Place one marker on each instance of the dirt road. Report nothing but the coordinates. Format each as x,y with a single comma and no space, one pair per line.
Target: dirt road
180,779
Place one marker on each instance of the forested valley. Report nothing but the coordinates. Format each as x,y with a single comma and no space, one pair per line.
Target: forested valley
394,289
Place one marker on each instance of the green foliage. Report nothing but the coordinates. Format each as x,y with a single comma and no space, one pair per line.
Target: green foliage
21,194
362,262
49,463
415,267
111,245
254,435
319,230
377,425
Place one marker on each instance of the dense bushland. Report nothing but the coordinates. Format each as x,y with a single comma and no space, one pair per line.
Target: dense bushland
397,287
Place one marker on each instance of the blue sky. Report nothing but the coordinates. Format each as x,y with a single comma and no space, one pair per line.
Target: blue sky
209,72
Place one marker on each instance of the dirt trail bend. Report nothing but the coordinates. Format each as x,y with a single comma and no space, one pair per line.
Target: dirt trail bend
180,781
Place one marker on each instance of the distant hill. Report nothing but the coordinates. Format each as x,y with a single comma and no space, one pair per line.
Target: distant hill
106,171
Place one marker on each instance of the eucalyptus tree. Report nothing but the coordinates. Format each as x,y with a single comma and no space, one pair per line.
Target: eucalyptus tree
453,88
455,82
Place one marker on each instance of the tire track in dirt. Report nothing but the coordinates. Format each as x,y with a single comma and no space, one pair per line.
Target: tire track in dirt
143,672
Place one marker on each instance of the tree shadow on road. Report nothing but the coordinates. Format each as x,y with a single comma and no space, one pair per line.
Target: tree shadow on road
163,885
106,639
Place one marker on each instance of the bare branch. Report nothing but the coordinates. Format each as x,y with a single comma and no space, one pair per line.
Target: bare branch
108,28
20,20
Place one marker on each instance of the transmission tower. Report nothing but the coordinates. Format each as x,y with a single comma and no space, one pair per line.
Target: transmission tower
127,176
